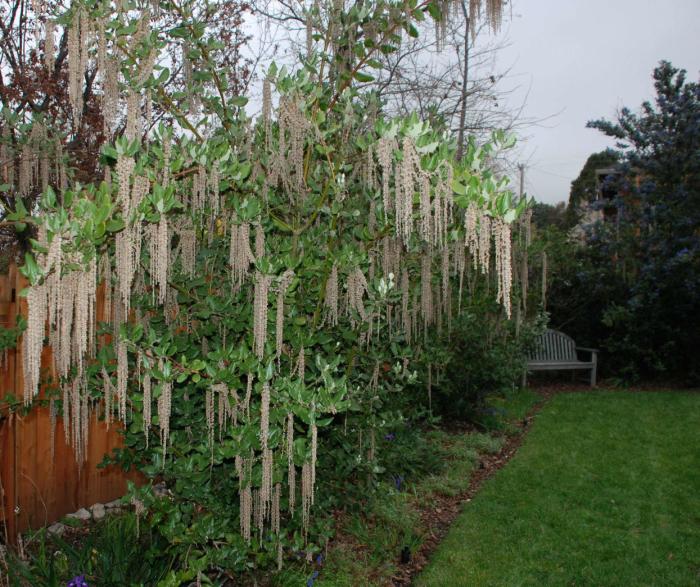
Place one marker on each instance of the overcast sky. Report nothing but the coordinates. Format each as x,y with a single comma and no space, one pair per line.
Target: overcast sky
584,59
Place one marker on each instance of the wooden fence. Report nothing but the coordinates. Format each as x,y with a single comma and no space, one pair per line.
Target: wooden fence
37,487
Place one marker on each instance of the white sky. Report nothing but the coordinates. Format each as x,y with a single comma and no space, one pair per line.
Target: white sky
584,59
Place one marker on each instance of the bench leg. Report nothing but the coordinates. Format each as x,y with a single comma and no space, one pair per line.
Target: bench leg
593,375
523,380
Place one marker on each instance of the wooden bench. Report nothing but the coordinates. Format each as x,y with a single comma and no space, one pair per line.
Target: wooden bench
554,351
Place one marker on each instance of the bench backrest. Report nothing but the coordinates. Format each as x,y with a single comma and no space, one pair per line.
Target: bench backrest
553,346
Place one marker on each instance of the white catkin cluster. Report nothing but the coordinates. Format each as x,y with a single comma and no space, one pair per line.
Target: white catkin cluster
78,34
369,173
484,242
110,94
385,155
331,296
460,264
49,44
356,289
426,216
122,378
259,242
162,258
262,285
292,121
502,241
209,414
245,495
133,128
291,471
164,410
405,312
409,171
267,112
214,189
301,364
33,340
199,189
147,404
445,271
284,281
314,458
275,516
306,496
426,296
240,255
471,235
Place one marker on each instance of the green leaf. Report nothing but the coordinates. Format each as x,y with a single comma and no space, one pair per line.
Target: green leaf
363,77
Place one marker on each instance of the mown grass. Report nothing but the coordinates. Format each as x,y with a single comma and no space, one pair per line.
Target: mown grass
605,491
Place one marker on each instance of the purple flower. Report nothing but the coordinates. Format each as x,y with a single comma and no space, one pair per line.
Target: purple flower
398,481
78,581
391,436
319,559
311,579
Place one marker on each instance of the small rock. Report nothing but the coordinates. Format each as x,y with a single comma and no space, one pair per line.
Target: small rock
115,503
57,529
81,514
160,490
98,511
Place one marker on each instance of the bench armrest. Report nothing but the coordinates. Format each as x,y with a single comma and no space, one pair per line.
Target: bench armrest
594,352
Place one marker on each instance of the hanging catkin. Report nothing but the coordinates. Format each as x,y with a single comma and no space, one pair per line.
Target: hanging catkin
122,378
275,517
501,237
426,217
34,340
284,281
306,496
407,175
385,156
314,457
267,112
164,410
76,38
426,296
331,296
209,414
262,284
357,287
240,255
484,242
133,115
147,404
162,251
405,313
110,98
291,471
259,242
49,44
471,235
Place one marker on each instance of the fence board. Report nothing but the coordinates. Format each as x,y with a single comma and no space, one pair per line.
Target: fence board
38,486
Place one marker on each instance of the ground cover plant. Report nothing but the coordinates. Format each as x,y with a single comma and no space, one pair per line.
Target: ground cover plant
604,491
380,542
272,287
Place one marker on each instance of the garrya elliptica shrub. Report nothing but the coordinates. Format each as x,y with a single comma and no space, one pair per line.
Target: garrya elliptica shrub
263,279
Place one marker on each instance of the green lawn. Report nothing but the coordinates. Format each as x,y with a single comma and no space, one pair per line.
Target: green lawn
605,491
